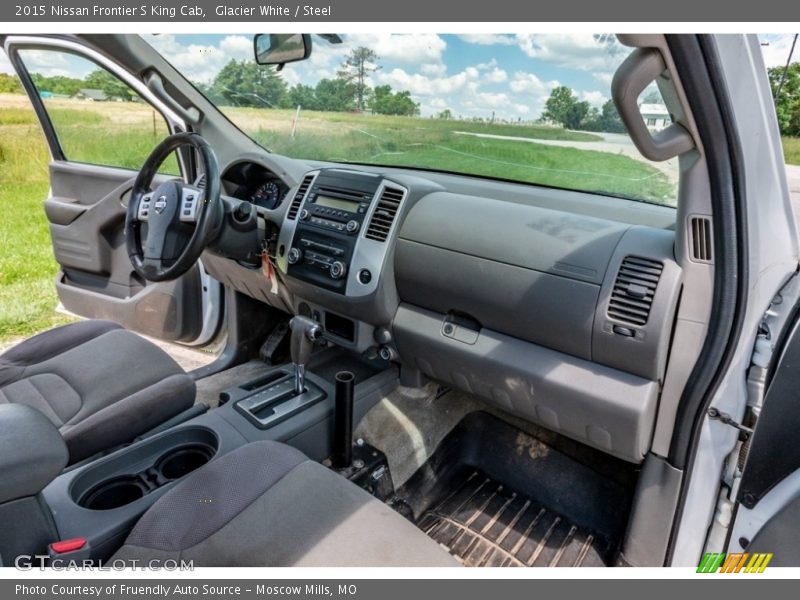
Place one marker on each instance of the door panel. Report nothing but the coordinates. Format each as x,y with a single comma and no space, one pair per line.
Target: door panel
101,122
86,213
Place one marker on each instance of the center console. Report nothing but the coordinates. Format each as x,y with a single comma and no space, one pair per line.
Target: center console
336,230
103,499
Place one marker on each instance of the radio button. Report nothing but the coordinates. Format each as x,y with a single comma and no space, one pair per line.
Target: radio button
337,269
294,256
352,226
304,215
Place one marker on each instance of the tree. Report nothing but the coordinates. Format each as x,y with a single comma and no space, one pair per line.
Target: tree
386,102
100,79
653,97
58,84
609,118
246,83
304,96
563,107
355,69
787,104
9,84
445,114
606,119
335,95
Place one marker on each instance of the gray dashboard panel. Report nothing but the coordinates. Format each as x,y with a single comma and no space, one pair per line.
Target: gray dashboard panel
531,305
605,408
537,238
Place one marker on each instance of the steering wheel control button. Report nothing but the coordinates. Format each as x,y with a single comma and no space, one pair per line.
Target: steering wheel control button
337,269
364,276
144,207
189,205
294,256
352,226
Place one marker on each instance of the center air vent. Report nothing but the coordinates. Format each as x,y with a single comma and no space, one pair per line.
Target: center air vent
385,214
294,207
634,290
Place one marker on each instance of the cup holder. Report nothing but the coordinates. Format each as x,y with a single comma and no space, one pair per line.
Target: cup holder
143,468
177,463
114,493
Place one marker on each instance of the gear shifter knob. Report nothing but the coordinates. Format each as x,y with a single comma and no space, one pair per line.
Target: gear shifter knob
305,332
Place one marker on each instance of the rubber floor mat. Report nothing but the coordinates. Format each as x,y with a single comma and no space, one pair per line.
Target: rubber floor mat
485,524
495,495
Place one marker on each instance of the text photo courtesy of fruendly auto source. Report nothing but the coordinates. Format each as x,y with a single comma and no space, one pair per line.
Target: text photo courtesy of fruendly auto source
413,300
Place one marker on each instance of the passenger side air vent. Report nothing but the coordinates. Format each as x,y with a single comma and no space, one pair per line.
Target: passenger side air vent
385,214
701,240
294,208
634,290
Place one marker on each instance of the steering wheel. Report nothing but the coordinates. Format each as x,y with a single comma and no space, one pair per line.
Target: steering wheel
177,220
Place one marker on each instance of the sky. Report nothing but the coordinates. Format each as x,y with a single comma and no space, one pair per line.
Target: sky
471,75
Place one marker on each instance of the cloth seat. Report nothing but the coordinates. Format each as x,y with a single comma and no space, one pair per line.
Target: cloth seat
267,504
100,385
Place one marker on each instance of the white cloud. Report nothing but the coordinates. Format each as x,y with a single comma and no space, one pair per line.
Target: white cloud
531,84
424,85
411,48
202,62
488,39
603,78
594,97
496,76
574,51
437,70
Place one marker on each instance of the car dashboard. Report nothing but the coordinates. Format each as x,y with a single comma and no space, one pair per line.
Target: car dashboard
557,316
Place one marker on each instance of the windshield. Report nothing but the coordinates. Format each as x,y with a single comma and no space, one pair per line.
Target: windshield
527,108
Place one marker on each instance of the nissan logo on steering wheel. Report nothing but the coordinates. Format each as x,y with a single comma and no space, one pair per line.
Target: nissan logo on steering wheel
160,204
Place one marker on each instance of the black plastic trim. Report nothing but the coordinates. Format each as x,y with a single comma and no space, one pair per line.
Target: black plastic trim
774,453
698,66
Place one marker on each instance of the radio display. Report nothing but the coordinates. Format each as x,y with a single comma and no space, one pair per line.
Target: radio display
336,203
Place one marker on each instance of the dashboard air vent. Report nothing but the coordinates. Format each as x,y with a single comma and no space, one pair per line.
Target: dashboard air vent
634,290
385,214
294,208
701,239
201,182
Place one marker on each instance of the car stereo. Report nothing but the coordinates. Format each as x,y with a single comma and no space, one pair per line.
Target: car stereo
333,213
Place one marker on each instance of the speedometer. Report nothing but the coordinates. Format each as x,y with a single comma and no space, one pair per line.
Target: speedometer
267,195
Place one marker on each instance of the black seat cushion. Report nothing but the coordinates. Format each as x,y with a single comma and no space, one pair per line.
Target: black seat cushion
99,384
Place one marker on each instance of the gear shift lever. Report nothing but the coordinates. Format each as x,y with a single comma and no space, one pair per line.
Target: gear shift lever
305,332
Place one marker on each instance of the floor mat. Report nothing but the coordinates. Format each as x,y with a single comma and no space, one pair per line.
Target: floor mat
495,495
487,524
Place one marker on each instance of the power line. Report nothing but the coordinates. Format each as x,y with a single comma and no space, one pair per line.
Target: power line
785,70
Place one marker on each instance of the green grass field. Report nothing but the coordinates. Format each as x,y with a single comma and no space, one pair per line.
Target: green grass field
791,150
27,268
441,144
123,134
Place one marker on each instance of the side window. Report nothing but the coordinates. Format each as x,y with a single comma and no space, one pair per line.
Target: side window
97,117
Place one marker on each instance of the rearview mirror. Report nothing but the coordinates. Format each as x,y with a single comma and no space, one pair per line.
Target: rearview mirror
281,48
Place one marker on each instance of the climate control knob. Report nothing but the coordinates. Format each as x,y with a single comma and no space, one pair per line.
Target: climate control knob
294,256
338,269
352,226
304,214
